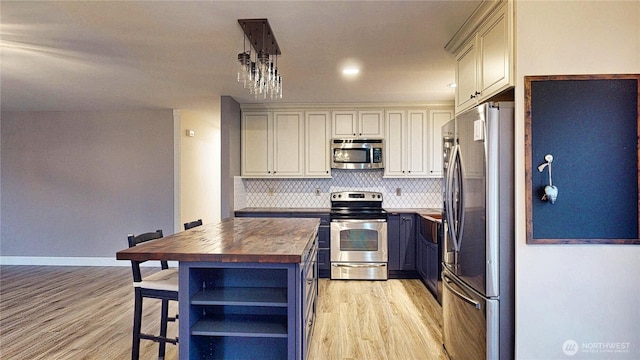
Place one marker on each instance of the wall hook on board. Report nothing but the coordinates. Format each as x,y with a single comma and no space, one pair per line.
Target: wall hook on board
550,191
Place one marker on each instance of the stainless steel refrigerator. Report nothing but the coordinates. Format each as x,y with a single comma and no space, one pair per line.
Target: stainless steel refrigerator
478,249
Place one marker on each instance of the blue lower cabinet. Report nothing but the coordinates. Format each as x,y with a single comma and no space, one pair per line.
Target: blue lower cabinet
401,238
324,260
324,240
247,310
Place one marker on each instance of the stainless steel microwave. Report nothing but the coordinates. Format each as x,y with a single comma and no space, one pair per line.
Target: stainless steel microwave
357,153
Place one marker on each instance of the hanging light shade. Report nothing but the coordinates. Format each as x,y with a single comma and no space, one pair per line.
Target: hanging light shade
261,76
244,69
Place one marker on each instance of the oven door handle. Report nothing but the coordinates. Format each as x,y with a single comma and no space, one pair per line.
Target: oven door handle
359,265
358,220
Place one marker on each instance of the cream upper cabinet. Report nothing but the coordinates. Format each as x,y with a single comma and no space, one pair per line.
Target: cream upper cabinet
467,76
484,65
406,143
296,142
495,43
361,124
288,147
371,124
257,143
394,146
317,144
437,118
417,143
272,144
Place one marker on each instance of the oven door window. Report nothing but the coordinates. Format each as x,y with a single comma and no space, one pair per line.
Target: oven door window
357,156
359,240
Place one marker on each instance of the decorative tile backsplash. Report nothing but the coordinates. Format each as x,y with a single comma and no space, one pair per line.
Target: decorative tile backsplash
301,193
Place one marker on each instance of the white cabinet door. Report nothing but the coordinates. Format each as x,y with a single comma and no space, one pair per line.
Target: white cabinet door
484,65
371,124
288,140
437,118
344,124
256,144
395,148
359,124
317,144
417,143
494,49
406,143
466,77
272,144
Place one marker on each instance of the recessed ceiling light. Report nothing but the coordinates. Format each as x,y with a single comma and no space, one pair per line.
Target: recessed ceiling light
350,71
452,85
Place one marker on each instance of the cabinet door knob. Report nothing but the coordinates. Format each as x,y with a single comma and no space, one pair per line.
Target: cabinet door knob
477,93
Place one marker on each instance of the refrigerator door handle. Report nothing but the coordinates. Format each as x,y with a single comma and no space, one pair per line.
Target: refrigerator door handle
459,294
462,204
449,198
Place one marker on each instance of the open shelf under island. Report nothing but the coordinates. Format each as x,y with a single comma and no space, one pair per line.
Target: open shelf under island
248,286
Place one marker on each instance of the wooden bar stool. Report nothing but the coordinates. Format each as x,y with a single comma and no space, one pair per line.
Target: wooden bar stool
161,285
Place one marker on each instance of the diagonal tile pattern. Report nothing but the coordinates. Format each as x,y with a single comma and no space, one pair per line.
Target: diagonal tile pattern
301,193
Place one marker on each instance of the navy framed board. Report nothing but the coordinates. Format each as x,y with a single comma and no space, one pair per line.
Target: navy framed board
590,124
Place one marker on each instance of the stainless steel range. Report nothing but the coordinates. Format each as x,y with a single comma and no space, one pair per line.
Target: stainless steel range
358,236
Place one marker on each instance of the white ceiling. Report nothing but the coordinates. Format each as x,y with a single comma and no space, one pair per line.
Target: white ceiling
87,55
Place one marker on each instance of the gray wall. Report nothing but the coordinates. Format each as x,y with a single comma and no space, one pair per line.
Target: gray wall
74,184
229,152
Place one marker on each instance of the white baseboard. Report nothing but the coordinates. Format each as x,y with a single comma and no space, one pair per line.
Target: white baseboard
71,261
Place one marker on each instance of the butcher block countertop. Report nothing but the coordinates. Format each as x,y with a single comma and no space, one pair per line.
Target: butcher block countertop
235,240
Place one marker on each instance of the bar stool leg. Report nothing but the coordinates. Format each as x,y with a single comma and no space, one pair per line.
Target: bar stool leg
137,325
163,328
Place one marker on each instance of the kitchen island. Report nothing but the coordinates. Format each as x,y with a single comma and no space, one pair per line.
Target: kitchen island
247,288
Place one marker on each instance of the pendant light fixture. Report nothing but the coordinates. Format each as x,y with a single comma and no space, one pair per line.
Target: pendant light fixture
260,76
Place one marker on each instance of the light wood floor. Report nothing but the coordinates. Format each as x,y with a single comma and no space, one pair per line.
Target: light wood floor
86,313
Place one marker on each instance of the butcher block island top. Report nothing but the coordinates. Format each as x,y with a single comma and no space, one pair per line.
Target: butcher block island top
234,240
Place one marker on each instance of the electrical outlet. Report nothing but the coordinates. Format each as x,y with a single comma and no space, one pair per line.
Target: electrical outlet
317,191
271,191
398,192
